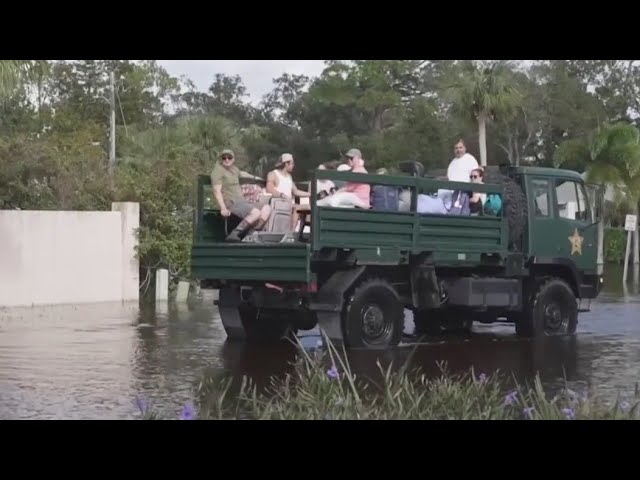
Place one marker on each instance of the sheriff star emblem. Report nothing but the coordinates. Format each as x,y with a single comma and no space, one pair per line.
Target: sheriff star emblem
576,242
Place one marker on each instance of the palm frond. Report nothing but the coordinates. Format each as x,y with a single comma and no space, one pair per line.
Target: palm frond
571,152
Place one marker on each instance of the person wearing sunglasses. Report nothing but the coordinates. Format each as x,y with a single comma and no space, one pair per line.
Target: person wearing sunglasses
477,200
225,181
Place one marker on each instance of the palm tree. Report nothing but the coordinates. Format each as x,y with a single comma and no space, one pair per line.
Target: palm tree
485,92
12,72
611,155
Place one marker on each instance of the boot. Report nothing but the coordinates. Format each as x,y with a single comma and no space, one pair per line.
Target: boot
238,233
257,226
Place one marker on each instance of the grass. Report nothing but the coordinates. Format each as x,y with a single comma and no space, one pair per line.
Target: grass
323,387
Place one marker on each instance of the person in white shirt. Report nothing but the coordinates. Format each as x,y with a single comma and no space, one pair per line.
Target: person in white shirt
280,182
280,185
324,187
462,165
459,170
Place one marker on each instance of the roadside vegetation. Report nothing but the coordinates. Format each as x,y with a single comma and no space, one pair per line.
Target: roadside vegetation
322,386
54,130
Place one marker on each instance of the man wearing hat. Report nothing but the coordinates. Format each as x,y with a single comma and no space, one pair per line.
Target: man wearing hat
280,182
225,180
351,194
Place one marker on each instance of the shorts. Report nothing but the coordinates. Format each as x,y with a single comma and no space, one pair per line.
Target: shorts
241,208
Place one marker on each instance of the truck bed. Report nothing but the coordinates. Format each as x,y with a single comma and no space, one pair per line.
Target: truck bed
376,237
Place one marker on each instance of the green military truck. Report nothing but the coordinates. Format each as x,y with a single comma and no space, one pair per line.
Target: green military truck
355,271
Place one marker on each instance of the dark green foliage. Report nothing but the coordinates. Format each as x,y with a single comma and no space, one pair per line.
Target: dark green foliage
54,125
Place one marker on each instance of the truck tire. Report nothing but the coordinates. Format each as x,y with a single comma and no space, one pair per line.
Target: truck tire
373,316
514,205
552,311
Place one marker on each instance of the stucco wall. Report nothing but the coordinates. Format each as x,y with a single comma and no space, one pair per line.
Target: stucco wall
58,257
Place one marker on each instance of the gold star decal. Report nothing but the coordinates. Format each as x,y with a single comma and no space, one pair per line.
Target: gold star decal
576,242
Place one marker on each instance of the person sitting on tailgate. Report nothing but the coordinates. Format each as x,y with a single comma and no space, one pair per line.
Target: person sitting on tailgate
225,181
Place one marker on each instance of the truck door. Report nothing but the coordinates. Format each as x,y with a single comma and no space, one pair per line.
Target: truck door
562,221
576,224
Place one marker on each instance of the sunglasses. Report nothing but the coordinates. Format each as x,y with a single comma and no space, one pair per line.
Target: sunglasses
227,157
473,177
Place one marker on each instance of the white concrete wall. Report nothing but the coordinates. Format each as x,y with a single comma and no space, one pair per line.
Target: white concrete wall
58,257
130,222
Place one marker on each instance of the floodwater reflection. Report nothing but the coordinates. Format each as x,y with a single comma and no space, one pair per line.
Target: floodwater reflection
92,361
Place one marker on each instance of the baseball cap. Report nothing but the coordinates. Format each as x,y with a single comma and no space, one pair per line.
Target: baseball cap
286,157
354,152
227,152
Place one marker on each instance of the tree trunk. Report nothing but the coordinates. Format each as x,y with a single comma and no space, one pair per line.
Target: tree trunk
601,240
482,133
636,250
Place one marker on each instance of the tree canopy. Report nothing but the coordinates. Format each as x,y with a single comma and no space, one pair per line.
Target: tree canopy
54,125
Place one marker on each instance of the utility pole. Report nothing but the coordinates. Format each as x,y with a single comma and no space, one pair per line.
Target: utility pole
112,136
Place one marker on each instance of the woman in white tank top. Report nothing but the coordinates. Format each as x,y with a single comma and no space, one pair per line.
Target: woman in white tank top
280,183
285,183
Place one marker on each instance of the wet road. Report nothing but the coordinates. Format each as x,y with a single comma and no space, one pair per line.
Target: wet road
91,361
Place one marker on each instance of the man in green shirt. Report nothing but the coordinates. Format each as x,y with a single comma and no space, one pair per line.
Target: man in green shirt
225,180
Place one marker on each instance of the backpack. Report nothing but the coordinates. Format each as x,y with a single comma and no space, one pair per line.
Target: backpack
460,204
493,205
386,198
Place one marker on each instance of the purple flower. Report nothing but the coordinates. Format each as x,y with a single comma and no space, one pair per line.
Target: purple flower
333,372
482,378
188,412
569,413
624,406
528,412
511,398
573,396
142,404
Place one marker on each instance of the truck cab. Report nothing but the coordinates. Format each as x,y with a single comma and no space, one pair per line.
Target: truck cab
562,221
355,271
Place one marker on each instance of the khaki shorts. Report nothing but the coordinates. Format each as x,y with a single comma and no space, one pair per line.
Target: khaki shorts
241,208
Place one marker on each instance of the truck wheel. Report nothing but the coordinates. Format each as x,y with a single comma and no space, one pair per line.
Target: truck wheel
514,205
553,311
373,316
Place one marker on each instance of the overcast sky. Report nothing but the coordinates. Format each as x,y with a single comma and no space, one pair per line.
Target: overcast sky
257,75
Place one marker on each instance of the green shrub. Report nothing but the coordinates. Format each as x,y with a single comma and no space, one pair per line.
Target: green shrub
614,245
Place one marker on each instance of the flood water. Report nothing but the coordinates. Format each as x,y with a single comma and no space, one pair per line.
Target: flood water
91,361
